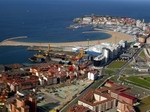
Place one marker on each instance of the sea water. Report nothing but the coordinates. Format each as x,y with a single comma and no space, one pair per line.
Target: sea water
47,21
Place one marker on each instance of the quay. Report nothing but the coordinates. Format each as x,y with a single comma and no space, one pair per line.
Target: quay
37,48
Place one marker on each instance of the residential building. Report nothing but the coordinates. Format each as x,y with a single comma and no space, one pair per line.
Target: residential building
24,104
112,97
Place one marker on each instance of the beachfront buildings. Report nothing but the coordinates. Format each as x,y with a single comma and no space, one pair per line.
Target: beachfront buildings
120,24
104,52
108,20
110,98
87,20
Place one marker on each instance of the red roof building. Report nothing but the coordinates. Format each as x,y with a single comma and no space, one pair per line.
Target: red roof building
111,97
26,104
123,97
98,100
79,108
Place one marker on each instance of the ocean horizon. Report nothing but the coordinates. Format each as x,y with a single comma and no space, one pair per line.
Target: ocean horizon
47,21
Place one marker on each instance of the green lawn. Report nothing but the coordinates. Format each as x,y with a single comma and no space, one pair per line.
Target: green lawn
147,78
113,67
116,64
145,104
140,81
110,72
142,54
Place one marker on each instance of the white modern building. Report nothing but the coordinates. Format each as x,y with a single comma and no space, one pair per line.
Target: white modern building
105,51
136,45
87,20
92,75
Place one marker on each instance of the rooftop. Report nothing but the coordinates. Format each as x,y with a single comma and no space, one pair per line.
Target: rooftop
127,96
90,97
79,108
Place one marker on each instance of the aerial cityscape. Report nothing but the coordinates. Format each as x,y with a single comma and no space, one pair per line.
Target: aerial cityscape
74,56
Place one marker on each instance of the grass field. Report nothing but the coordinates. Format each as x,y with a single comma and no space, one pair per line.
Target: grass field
110,71
145,104
147,78
142,54
114,66
140,81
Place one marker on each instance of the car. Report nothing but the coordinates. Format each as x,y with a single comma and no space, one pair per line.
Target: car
40,96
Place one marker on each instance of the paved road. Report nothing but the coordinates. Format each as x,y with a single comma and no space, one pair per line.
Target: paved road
99,83
120,71
95,85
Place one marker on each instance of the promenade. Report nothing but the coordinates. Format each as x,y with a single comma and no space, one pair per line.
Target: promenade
116,37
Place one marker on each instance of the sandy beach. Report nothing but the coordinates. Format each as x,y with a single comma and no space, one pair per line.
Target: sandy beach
116,37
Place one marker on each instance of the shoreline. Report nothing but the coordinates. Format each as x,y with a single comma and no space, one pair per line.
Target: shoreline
115,38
